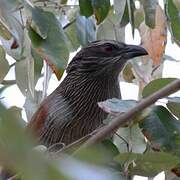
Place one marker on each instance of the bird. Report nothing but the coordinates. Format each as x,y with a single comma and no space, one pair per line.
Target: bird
71,111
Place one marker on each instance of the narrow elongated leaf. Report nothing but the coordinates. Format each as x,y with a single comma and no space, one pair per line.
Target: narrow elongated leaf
138,17
49,42
174,106
174,19
131,8
4,65
86,8
100,9
162,130
155,85
125,18
150,12
22,76
38,64
148,164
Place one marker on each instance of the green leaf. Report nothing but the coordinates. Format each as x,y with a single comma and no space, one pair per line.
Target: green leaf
109,147
22,76
11,21
138,17
39,25
71,33
38,64
99,154
49,42
64,1
115,105
85,30
131,8
148,164
16,150
156,85
130,139
150,12
174,105
86,8
16,111
128,74
4,65
125,18
110,28
162,130
101,9
174,19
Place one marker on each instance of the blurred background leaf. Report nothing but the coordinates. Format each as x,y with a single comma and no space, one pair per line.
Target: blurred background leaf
148,164
162,129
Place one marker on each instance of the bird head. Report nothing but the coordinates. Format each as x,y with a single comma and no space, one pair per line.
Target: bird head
104,56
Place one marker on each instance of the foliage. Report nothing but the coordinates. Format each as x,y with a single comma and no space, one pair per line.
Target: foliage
40,32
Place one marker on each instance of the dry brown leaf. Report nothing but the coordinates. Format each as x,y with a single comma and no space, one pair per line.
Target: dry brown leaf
154,40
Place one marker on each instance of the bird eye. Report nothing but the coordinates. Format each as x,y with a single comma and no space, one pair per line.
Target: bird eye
108,49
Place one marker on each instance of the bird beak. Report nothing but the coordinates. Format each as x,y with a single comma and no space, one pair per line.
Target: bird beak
132,51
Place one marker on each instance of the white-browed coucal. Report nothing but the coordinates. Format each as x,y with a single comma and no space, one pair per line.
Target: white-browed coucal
71,111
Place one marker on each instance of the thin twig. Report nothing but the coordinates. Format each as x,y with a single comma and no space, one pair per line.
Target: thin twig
123,139
8,82
125,118
15,177
13,64
68,24
20,12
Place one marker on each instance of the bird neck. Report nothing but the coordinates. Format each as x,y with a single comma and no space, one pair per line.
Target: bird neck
96,88
83,94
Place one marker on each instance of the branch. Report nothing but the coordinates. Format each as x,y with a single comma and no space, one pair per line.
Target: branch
125,118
